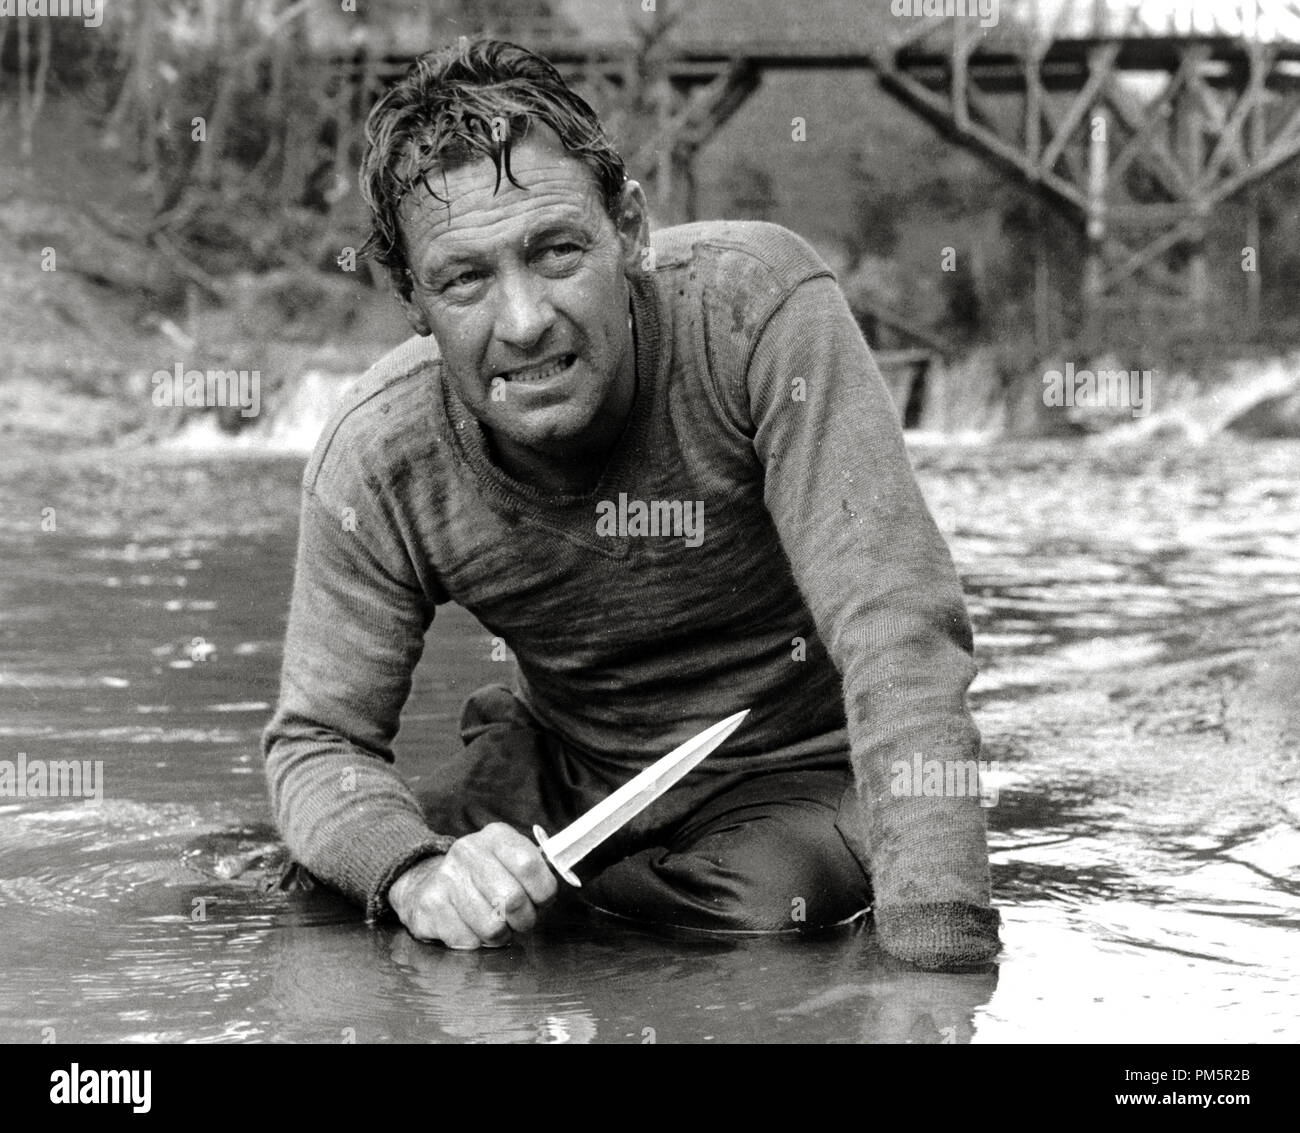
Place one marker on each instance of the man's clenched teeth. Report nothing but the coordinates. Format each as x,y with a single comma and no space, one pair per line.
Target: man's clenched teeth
540,373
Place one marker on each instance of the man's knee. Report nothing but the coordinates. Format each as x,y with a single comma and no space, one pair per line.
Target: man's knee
786,882
490,707
495,776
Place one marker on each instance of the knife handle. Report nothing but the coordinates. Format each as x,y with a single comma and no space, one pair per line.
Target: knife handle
566,874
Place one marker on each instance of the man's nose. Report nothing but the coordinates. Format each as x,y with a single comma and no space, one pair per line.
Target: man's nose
524,313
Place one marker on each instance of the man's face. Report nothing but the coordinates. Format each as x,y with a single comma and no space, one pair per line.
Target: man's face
525,291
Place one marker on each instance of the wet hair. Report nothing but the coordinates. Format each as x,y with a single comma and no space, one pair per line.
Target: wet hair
475,98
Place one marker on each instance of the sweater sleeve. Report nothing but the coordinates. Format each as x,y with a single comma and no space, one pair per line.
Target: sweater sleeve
356,631
880,583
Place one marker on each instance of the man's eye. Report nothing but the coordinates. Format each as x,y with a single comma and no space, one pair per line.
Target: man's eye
561,253
462,280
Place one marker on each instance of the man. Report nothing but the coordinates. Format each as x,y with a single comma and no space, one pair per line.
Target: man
572,378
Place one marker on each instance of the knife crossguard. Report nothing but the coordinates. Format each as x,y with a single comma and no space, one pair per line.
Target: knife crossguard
564,872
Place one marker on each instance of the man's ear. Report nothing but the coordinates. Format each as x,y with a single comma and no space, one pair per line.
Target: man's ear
632,220
414,315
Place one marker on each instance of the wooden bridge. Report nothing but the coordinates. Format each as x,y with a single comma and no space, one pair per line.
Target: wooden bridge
1136,118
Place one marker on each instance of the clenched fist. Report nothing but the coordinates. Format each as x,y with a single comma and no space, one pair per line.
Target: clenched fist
487,887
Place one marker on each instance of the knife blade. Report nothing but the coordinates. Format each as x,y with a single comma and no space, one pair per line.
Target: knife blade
567,848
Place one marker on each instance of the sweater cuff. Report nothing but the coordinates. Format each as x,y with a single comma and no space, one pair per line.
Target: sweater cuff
377,906
373,853
949,934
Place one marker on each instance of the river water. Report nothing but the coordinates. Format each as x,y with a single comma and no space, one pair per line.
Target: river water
1145,842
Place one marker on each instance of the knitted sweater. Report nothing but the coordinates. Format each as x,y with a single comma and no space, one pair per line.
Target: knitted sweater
804,580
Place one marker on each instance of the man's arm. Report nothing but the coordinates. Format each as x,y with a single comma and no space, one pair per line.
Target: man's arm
356,631
880,583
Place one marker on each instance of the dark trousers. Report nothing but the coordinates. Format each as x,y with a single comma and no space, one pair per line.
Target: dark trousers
719,851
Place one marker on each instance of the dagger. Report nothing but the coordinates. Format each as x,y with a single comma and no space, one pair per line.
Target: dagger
567,848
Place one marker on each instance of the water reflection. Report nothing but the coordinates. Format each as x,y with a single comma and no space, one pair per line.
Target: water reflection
576,981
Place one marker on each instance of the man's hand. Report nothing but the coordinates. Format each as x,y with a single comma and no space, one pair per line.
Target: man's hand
487,887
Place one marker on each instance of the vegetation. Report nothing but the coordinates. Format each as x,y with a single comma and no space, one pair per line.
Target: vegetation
239,125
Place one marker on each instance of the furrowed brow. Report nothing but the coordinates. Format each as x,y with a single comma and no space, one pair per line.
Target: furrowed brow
445,255
570,226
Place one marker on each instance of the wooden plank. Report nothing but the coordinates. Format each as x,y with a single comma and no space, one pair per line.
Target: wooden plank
1101,65
1231,137
937,110
960,80
1258,141
1034,106
1073,161
1147,120
913,36
1284,148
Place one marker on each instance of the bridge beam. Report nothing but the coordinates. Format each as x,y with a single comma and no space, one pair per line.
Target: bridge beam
1027,98
1141,176
662,122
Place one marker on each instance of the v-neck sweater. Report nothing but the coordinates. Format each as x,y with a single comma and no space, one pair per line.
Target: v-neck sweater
816,590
